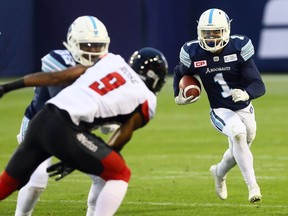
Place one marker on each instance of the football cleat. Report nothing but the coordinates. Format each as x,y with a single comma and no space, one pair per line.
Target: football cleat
220,183
254,194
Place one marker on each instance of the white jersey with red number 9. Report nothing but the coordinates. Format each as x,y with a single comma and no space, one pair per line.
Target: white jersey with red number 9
107,89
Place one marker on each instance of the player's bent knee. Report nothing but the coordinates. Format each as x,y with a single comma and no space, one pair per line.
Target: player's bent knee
123,175
8,185
250,137
115,168
240,137
31,191
40,182
36,191
236,129
96,179
126,174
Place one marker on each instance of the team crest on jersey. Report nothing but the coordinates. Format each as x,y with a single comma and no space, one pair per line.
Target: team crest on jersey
201,63
230,58
216,58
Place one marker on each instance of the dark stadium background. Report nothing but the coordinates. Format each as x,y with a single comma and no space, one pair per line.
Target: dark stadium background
29,29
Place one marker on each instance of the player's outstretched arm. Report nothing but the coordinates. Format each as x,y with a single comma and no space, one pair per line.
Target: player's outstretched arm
63,77
124,133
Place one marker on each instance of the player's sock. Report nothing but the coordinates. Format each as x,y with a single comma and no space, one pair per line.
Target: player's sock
8,185
95,189
111,197
244,158
27,198
90,210
227,163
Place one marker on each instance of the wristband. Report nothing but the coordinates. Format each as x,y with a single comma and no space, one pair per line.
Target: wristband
13,85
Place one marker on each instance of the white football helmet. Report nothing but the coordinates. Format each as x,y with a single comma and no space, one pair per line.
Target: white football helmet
87,39
213,30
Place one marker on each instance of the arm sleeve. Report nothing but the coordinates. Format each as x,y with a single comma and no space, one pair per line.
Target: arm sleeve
184,67
256,88
179,72
56,61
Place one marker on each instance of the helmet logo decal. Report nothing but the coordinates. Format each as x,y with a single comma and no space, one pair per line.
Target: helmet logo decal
151,74
151,66
210,16
94,25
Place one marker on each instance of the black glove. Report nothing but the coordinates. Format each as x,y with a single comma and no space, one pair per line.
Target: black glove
7,87
2,90
60,169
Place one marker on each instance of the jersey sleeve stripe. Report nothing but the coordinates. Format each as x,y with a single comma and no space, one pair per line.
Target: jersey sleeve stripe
51,64
247,51
184,58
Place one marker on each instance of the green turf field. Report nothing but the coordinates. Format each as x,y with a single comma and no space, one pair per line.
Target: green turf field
170,158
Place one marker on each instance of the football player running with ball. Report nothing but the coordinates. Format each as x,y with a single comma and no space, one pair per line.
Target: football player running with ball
231,80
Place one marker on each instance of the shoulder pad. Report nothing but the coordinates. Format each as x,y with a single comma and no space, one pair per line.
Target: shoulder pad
244,45
188,51
57,60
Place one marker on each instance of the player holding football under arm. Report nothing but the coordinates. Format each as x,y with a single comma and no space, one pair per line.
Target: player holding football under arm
87,39
109,91
231,80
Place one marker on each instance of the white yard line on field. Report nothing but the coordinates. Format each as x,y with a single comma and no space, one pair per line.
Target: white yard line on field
170,204
205,204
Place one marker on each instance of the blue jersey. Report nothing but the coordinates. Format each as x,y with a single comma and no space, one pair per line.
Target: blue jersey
220,73
56,60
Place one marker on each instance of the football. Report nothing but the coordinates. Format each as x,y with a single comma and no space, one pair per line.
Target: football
191,86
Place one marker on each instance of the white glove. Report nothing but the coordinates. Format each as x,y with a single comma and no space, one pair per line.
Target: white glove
239,95
180,100
105,129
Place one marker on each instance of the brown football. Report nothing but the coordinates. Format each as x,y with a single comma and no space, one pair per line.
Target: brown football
190,85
